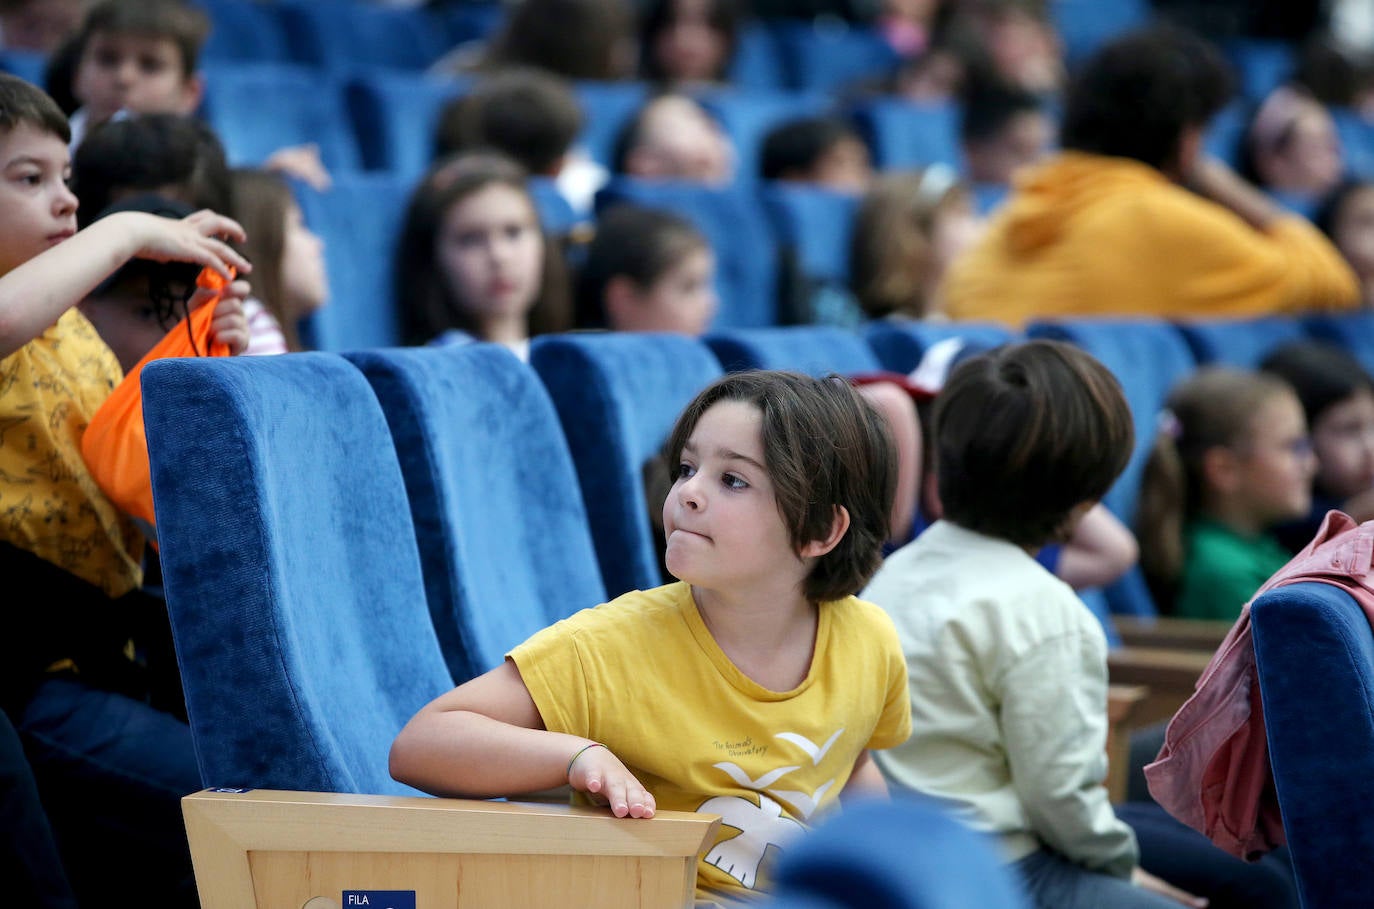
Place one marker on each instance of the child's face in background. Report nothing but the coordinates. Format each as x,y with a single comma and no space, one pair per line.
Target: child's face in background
126,320
1353,231
1309,161
1276,465
37,210
682,300
844,167
1343,441
41,25
491,252
721,520
139,73
305,283
689,49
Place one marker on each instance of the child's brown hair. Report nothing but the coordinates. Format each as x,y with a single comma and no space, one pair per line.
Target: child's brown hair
1025,433
184,25
25,104
824,448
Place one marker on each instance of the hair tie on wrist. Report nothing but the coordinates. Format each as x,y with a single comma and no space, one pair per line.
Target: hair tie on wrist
578,754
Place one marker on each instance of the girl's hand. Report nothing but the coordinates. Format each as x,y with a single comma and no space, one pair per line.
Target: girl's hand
229,324
602,776
196,238
1144,879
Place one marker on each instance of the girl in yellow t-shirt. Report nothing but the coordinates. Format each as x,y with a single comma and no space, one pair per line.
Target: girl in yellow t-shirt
754,688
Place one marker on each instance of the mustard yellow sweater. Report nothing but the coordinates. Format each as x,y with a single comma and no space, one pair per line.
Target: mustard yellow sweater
1089,235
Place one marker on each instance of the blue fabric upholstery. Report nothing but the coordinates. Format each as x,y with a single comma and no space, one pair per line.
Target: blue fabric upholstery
1226,131
1239,342
395,115
618,396
359,218
1357,142
257,108
906,134
341,36
758,62
606,108
1148,357
1263,64
289,563
27,65
812,349
555,211
907,853
739,233
822,59
1352,331
1314,655
1084,25
815,224
244,30
901,343
503,537
747,117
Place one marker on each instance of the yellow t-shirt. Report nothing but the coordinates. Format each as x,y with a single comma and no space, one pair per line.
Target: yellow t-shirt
49,503
643,675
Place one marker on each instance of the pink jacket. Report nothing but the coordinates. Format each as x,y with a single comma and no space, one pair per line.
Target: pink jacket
1213,771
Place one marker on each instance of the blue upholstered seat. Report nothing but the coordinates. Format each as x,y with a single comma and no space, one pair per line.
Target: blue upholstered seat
906,134
618,396
1353,331
1148,357
1314,655
30,66
395,115
341,36
1239,342
258,108
907,853
901,343
244,30
359,218
812,349
747,117
820,58
290,568
739,233
503,536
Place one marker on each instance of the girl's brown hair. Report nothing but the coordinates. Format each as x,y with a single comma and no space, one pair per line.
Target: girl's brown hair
1213,408
824,447
261,203
428,307
891,253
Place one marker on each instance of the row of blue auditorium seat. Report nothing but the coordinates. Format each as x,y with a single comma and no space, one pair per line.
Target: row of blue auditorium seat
383,525
781,54
1148,356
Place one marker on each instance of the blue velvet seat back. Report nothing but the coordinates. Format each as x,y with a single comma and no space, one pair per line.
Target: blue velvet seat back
290,570
901,343
359,218
812,349
1239,342
395,114
907,853
257,108
1148,357
618,396
1352,331
503,536
1315,658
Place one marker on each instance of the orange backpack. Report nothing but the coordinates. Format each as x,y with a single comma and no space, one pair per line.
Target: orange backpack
114,445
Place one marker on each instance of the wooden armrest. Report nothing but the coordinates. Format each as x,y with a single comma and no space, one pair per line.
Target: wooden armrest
1166,632
265,848
1170,675
1123,702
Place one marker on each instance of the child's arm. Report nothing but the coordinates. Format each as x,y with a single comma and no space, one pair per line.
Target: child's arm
486,738
1101,550
34,295
866,780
